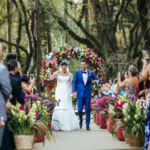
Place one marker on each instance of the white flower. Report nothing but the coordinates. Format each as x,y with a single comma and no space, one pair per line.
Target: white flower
136,116
125,119
128,117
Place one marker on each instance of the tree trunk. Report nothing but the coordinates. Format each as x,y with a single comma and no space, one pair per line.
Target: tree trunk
65,16
9,6
143,11
49,43
39,51
86,16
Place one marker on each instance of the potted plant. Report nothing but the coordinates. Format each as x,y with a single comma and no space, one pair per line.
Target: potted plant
115,113
134,123
101,106
24,123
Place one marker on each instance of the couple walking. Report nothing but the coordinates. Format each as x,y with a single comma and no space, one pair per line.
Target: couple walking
64,118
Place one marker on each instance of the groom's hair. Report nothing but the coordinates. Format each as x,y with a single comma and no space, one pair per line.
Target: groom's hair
84,61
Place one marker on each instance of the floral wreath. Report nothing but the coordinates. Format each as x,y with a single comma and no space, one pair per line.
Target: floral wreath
53,60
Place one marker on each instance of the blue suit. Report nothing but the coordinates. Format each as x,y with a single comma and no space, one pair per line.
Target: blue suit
83,93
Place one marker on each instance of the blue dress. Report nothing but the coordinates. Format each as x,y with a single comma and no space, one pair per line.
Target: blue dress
121,92
147,125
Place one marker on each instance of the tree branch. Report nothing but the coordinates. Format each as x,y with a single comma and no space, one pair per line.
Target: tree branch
124,35
117,16
131,36
14,44
83,11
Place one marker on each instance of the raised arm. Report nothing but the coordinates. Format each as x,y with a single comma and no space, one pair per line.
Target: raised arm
54,76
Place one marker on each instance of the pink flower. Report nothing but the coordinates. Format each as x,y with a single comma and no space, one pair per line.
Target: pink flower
38,112
36,94
26,96
21,107
45,101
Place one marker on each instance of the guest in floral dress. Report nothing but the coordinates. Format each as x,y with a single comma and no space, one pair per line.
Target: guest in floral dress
130,84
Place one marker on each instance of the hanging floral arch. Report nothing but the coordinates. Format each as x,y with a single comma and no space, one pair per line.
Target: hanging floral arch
54,59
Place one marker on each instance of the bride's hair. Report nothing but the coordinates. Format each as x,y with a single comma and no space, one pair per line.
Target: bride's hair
64,63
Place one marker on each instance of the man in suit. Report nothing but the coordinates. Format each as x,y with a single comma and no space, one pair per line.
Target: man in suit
15,83
5,91
82,79
14,57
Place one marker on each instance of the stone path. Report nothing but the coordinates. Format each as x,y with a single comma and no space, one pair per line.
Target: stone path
96,139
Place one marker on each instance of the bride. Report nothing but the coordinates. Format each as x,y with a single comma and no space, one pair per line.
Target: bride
64,118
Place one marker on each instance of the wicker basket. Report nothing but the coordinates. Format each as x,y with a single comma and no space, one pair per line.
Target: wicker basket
24,142
137,141
128,138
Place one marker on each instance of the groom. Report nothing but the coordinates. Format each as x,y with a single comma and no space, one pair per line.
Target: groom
83,79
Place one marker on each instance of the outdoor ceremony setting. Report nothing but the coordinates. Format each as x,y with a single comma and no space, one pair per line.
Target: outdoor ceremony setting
74,74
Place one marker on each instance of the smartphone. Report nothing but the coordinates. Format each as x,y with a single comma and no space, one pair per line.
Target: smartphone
31,76
101,82
145,54
120,71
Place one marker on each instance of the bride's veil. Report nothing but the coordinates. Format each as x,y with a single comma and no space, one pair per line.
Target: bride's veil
67,65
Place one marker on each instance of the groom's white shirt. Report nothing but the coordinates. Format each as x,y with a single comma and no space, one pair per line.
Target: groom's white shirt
85,76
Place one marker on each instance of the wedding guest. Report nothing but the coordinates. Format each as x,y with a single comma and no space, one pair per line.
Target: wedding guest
25,86
130,85
15,83
126,75
12,56
143,93
5,92
114,87
140,85
120,91
111,80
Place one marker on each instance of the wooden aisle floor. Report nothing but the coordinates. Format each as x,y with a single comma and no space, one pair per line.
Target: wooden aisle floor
95,139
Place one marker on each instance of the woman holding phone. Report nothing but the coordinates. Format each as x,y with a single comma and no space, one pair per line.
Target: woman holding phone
25,86
130,85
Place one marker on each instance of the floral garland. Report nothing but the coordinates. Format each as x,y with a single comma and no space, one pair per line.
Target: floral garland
54,59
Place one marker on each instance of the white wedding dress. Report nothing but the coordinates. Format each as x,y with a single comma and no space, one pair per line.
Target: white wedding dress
63,117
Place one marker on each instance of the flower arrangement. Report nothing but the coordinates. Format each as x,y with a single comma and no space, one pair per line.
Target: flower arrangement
101,104
133,120
46,82
24,119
